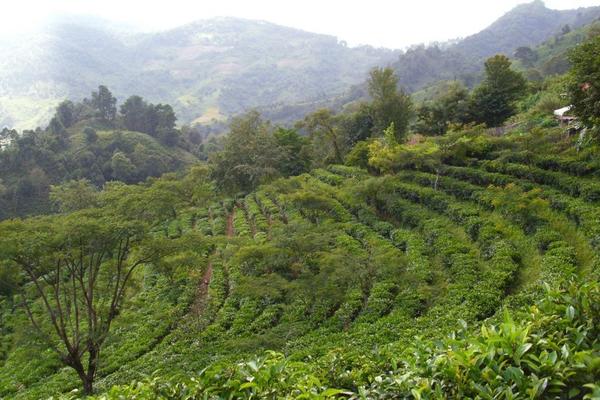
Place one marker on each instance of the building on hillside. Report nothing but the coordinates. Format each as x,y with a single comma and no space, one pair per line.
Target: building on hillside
569,121
562,115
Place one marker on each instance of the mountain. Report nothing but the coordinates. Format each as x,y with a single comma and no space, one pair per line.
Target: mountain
216,68
528,25
422,68
208,69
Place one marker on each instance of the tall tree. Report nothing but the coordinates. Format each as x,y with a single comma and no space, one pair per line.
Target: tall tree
156,120
295,151
526,55
76,269
250,155
324,130
390,105
357,123
104,103
165,124
451,107
584,85
135,114
493,101
65,113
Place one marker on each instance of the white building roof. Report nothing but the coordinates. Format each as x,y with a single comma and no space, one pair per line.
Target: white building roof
562,111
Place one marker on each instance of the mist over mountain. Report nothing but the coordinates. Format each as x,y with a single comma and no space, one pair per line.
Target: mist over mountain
208,69
212,69
526,25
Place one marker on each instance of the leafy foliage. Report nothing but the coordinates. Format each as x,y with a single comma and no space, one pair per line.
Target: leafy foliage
450,107
257,275
494,100
84,142
250,155
583,87
390,107
547,352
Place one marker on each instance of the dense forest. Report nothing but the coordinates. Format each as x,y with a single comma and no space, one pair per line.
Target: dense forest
397,248
90,140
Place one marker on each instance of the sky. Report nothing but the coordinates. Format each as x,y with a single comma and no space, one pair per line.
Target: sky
380,23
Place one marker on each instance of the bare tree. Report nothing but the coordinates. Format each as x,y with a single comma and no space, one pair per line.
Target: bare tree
77,269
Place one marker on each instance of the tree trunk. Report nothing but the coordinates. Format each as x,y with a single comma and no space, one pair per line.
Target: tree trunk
338,153
94,353
85,378
88,388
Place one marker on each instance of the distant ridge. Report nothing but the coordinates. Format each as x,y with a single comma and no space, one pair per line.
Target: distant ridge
206,69
212,69
528,24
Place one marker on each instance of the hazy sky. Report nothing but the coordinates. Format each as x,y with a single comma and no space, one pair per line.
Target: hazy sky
389,23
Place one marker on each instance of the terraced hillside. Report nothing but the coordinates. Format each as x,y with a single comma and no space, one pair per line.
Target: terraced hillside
351,278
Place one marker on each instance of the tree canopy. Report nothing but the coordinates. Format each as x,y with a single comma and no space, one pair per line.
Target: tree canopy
250,154
584,85
450,107
77,268
104,103
493,101
390,104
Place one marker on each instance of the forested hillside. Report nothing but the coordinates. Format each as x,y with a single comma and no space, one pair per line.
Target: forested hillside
90,140
449,249
211,69
528,25
538,38
214,69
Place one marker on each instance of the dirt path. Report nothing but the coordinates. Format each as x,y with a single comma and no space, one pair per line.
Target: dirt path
202,291
229,231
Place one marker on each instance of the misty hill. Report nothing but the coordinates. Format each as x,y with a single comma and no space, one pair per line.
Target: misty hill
208,69
213,69
526,25
421,69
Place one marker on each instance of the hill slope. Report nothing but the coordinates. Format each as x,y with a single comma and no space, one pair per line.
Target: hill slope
342,269
208,69
421,68
37,160
526,25
216,68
